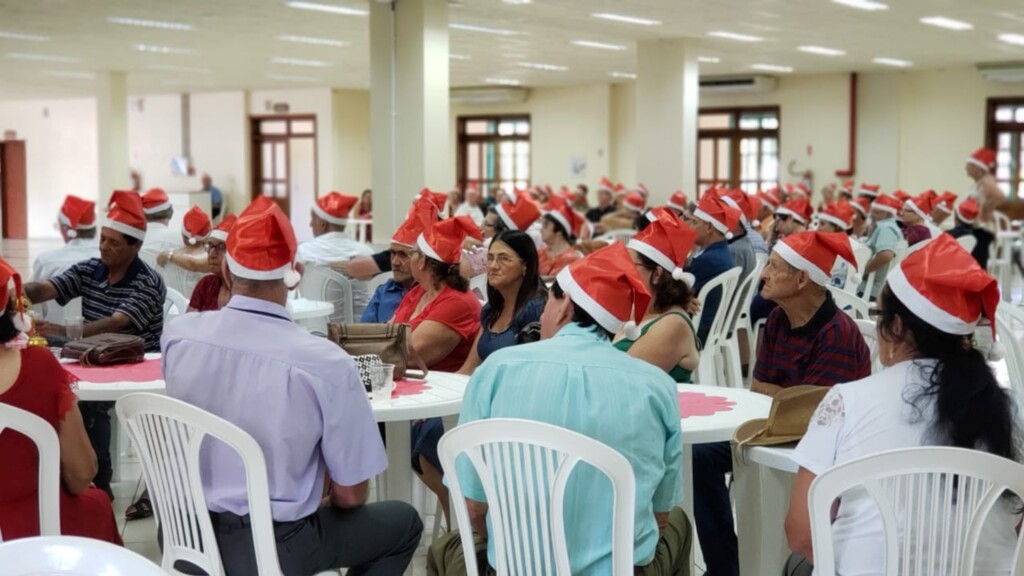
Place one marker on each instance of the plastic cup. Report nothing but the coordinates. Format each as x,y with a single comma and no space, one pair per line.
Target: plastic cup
75,325
383,379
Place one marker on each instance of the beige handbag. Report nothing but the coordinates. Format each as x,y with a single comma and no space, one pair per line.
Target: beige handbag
392,342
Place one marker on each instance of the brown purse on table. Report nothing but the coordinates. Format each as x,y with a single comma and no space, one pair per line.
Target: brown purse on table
392,342
106,350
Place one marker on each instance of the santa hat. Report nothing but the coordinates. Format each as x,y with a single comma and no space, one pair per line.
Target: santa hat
798,208
518,211
126,215
155,201
668,242
423,215
887,203
815,253
861,204
901,195
443,240
923,204
943,285
438,199
946,202
748,205
195,225
570,220
720,215
608,287
262,244
77,214
22,322
869,190
678,200
771,197
838,213
800,190
846,187
223,229
984,158
335,207
606,185
642,190
565,193
635,202
967,211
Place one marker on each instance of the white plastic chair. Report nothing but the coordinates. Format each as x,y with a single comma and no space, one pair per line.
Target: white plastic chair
180,279
324,284
478,286
968,241
1000,262
933,503
854,306
167,434
44,436
528,524
739,318
378,281
869,330
620,235
175,304
72,556
711,370
1010,331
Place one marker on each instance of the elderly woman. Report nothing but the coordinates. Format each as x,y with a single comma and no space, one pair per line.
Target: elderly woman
213,292
195,227
936,390
561,227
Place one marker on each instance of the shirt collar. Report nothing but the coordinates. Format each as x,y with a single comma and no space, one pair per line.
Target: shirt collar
393,286
574,330
259,306
825,312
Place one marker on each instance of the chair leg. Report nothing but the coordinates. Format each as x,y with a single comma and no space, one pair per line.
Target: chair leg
733,368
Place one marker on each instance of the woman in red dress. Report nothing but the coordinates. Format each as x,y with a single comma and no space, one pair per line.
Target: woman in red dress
212,292
33,380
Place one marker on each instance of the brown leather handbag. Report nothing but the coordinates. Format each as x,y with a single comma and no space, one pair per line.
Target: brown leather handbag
106,350
392,342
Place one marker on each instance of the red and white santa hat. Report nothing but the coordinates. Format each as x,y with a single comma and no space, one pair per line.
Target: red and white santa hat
634,202
923,204
195,225
846,187
862,204
126,215
901,195
798,208
984,158
22,322
438,199
887,203
943,285
667,241
799,191
570,220
155,200
606,185
838,213
518,211
223,229
815,253
77,214
642,190
262,244
772,197
443,240
621,190
334,207
608,287
748,205
423,215
869,190
967,211
565,193
946,202
716,212
678,200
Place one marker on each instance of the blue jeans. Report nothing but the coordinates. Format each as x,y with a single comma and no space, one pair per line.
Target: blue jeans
712,509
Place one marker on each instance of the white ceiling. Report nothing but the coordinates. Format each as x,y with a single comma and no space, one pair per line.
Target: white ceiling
233,41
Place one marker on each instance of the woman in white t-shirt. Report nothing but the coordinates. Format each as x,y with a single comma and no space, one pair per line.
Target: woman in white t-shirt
936,389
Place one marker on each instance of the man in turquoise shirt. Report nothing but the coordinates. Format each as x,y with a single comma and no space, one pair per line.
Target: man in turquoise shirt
576,379
885,236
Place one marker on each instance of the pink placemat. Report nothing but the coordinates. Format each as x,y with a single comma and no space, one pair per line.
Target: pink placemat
145,371
407,387
700,404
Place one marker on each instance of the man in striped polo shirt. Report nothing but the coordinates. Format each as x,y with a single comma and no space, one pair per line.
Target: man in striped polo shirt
120,293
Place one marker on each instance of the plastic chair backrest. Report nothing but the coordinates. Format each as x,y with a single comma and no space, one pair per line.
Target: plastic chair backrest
182,280
478,286
854,306
44,437
868,330
1002,221
523,467
933,503
325,284
968,241
619,235
1010,331
727,282
72,556
175,304
167,434
378,281
742,297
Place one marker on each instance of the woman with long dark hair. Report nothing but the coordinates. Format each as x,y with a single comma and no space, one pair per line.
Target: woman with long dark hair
937,390
515,295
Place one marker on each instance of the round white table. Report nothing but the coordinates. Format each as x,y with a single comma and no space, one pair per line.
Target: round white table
762,482
312,315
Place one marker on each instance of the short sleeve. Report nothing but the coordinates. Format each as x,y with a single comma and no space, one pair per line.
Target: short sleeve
145,301
457,312
372,308
66,398
888,238
69,283
530,312
383,260
818,448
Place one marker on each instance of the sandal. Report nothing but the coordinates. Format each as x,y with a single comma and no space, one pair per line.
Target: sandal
141,508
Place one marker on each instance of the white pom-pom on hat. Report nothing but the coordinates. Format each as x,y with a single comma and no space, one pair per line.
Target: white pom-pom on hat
630,330
192,240
755,223
22,323
728,235
72,233
680,274
292,278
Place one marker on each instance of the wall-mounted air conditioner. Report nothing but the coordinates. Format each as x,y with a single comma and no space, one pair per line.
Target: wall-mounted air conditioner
485,95
1001,71
734,84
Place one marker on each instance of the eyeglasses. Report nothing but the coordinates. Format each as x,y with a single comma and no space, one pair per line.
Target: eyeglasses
501,259
875,312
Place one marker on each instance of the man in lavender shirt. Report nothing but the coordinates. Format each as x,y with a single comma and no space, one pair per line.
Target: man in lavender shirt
300,397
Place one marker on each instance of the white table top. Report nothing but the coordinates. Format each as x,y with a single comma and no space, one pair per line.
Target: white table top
777,457
304,309
719,426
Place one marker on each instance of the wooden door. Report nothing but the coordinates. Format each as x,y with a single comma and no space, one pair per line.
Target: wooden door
272,166
13,189
271,171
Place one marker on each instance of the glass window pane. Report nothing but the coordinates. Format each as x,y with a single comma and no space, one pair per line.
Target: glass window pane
1004,114
282,190
507,160
714,121
1003,141
476,126
473,161
280,160
706,170
750,122
268,189
769,159
523,127
770,123
273,127
1018,115
267,162
724,159
748,158
506,129
303,127
489,161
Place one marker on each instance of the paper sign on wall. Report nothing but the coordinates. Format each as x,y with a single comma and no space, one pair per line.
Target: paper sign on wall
578,167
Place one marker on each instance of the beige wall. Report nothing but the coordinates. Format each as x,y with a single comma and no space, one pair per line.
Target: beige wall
352,150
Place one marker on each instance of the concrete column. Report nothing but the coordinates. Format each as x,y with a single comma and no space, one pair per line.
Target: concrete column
112,134
667,93
408,105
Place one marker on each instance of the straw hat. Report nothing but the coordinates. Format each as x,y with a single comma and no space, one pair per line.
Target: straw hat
787,422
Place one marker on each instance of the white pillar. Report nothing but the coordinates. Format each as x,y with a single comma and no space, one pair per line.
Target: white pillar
408,105
667,93
112,135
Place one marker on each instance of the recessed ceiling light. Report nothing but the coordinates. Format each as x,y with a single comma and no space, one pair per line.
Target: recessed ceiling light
517,1
21,36
311,40
42,57
482,29
708,59
893,62
150,23
502,81
601,45
1017,39
289,78
458,57
299,62
821,50
947,23
772,68
331,8
545,67
626,19
623,75
863,4
70,74
173,68
735,36
163,49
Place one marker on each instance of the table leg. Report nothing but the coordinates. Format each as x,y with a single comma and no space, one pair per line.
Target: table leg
762,500
399,482
688,492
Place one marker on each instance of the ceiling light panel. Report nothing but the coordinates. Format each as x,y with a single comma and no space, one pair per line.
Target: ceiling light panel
163,49
1017,39
708,59
544,67
868,5
502,81
21,36
172,68
481,29
623,75
299,62
289,78
599,45
896,62
42,57
458,57
772,68
626,19
734,36
311,40
70,74
947,23
161,25
329,8
821,50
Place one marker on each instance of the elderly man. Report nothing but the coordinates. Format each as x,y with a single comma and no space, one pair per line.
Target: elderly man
885,237
300,397
807,340
76,222
471,205
589,302
120,293
989,195
216,196
159,236
605,202
713,219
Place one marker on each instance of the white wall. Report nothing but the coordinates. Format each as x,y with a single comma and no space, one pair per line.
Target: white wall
220,144
352,149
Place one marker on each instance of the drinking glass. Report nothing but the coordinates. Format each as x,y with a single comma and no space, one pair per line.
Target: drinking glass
383,382
75,325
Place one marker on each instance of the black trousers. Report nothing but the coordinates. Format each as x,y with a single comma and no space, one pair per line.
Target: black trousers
712,509
96,416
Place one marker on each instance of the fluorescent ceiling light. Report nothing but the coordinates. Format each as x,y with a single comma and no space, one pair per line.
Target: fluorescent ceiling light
299,62
172,68
821,50
1017,39
502,81
482,29
163,49
331,8
623,75
947,23
517,1
42,57
70,74
863,4
772,68
458,57
150,23
601,45
545,67
288,78
708,59
735,36
20,36
626,19
311,40
893,62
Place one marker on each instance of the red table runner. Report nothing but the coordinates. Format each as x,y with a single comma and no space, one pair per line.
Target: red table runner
700,404
407,387
145,371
